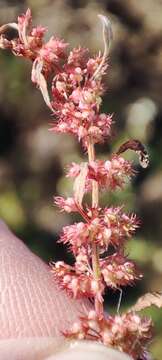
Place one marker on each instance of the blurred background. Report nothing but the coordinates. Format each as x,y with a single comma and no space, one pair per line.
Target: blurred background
33,159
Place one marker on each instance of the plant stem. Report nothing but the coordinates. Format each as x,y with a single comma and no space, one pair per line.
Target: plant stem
95,251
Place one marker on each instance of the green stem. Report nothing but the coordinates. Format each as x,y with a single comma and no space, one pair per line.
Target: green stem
95,250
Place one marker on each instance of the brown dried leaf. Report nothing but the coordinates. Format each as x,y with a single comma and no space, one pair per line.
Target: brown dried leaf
147,300
7,33
79,184
8,26
139,148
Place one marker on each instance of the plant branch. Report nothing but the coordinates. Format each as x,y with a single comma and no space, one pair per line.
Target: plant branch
95,250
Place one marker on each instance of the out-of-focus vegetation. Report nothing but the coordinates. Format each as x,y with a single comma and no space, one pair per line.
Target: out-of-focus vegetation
32,159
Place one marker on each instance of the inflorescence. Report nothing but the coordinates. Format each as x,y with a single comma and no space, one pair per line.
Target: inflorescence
74,97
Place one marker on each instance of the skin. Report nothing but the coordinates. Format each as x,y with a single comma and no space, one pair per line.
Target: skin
34,311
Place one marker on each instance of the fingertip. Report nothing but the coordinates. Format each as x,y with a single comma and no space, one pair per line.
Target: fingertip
82,350
34,348
33,304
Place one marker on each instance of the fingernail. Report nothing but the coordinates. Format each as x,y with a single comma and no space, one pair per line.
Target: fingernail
82,350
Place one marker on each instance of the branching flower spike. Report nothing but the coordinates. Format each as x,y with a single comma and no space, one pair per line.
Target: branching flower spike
74,97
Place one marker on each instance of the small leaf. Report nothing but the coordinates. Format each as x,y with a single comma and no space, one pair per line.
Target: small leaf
39,79
139,148
147,300
79,184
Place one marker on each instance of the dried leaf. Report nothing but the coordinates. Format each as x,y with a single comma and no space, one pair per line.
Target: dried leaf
7,27
147,300
79,184
139,148
107,39
107,33
7,33
39,79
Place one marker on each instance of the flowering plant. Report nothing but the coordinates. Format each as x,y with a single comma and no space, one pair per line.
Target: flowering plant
74,99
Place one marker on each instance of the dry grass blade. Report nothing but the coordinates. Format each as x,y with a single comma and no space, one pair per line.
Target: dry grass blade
147,300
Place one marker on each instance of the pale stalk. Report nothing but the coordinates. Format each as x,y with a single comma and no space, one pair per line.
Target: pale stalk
95,250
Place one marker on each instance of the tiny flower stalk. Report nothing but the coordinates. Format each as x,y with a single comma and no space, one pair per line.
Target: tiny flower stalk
74,97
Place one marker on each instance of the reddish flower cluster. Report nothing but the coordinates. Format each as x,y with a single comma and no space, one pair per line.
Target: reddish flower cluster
76,92
75,100
79,279
76,282
29,42
110,174
117,271
69,205
104,227
128,333
122,225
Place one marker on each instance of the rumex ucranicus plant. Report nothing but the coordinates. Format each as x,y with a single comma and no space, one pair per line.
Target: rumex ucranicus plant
74,99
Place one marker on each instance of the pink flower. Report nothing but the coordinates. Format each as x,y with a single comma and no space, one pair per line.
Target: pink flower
53,51
76,93
93,64
72,87
128,333
73,170
122,225
111,174
78,57
38,32
118,271
68,205
77,100
76,235
29,40
77,283
104,227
